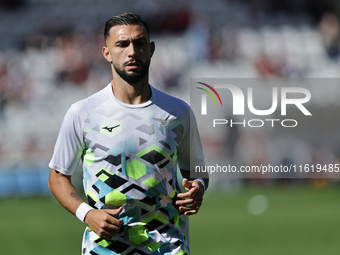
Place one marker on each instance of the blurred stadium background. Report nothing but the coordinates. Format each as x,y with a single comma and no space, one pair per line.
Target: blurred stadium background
50,57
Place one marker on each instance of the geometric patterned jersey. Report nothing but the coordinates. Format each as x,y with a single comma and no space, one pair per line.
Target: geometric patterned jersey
130,155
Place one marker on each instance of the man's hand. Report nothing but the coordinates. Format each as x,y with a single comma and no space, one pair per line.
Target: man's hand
103,222
193,197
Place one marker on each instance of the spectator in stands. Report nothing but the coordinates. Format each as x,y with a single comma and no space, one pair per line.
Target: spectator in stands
330,31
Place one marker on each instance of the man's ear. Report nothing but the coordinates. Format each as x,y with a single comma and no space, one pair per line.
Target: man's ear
107,54
152,47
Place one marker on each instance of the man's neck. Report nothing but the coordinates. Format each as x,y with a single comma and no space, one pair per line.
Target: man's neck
131,94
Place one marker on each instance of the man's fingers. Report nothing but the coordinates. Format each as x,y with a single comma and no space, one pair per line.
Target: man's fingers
108,234
106,230
185,202
190,206
189,194
192,199
184,195
115,212
192,212
113,229
111,216
104,223
185,182
187,208
105,234
114,221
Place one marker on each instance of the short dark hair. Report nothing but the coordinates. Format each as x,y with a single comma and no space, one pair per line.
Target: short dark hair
123,19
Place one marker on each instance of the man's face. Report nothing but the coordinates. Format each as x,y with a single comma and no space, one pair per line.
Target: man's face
130,51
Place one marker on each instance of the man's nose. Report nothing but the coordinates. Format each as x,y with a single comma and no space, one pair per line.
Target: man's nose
132,50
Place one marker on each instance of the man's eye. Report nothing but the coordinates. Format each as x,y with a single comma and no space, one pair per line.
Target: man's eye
140,42
122,45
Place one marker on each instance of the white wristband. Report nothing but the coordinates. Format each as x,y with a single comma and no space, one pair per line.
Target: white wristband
201,181
82,210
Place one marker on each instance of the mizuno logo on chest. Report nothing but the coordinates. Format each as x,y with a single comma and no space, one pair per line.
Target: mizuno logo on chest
110,128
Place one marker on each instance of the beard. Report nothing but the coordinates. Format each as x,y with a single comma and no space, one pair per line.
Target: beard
134,76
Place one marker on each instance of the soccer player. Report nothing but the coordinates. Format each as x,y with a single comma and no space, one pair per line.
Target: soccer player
130,138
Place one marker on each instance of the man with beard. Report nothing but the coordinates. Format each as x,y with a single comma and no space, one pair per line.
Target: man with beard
130,138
